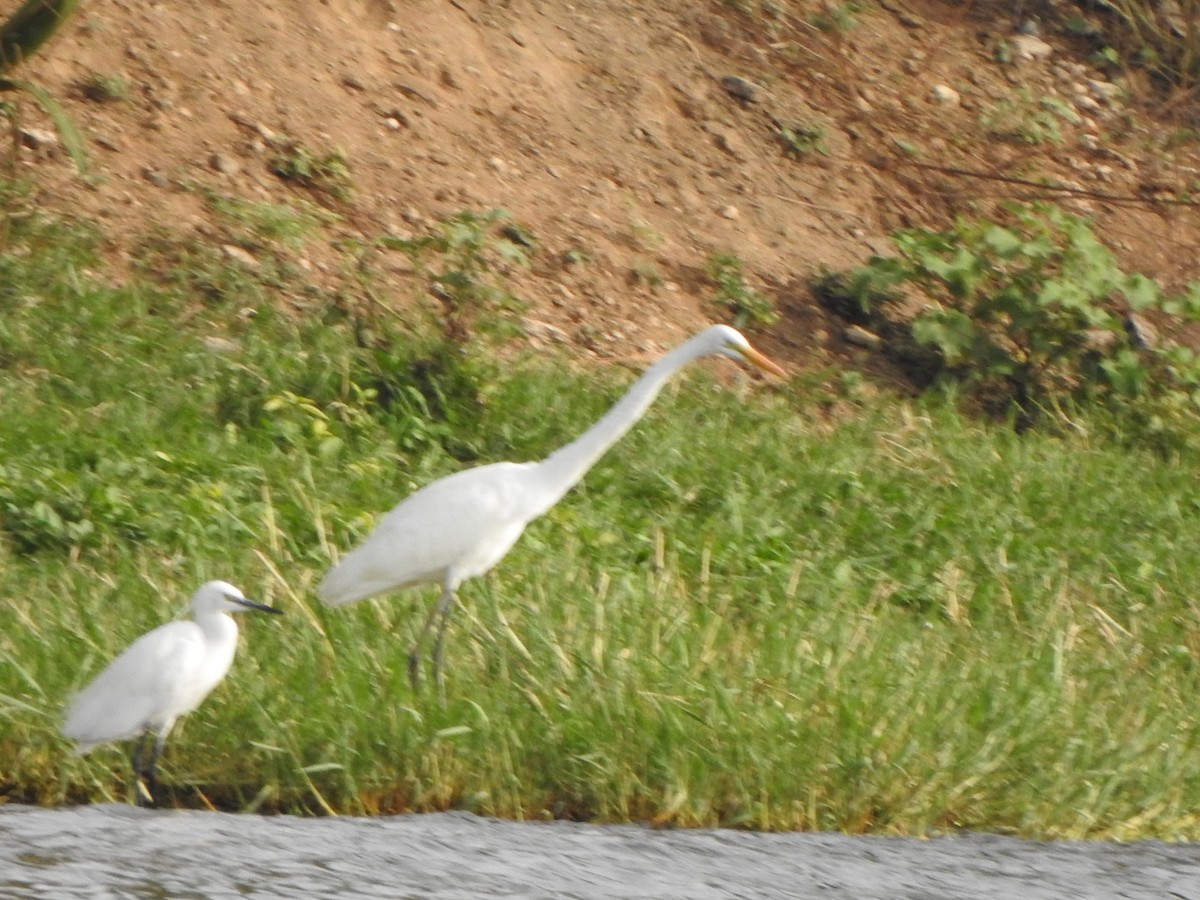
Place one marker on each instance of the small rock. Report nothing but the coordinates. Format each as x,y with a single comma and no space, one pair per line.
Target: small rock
39,139
155,177
219,344
729,141
1030,46
729,212
862,337
945,95
237,254
741,88
1141,332
226,165
540,331
1104,91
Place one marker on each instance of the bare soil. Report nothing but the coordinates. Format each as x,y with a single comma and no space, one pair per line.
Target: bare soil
611,131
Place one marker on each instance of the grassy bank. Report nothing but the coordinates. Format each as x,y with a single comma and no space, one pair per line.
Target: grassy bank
752,612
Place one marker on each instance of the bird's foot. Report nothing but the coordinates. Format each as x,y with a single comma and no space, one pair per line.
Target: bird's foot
146,795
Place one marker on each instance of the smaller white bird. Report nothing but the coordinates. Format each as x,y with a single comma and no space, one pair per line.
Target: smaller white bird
161,676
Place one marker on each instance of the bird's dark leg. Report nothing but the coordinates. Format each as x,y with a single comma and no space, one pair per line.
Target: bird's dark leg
441,610
145,797
152,773
446,603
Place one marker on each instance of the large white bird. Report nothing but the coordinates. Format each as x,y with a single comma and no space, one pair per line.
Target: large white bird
161,676
462,525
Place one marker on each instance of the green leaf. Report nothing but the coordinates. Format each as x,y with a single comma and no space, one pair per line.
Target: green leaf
951,331
1141,292
1002,241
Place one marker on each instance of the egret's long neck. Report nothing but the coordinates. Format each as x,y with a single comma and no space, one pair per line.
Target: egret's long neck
563,468
219,628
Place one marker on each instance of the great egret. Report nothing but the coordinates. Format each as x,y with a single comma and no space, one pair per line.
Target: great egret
462,525
161,676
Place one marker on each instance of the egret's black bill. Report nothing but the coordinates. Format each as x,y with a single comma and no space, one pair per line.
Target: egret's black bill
254,604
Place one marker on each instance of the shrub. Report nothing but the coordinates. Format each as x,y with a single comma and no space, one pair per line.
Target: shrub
1036,314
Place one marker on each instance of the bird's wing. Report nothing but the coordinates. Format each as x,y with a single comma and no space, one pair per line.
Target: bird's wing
454,528
139,689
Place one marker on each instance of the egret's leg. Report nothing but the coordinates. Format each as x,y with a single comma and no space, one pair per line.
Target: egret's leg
143,774
446,602
159,742
137,762
441,610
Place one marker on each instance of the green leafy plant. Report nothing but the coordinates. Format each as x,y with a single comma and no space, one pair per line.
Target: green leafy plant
255,222
327,173
104,88
746,304
800,140
463,261
835,18
645,271
1028,119
1035,314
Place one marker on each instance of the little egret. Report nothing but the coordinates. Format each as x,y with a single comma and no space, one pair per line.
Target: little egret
161,676
462,525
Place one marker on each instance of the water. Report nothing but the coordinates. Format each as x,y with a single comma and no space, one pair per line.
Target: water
121,851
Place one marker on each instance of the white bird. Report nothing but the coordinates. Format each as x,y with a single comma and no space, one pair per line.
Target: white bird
161,676
460,526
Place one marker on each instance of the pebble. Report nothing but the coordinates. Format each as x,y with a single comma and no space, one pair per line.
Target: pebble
237,254
729,141
1105,91
1029,46
862,337
226,165
945,95
741,88
155,177
219,344
537,330
39,139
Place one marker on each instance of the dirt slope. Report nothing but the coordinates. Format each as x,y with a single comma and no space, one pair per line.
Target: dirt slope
610,131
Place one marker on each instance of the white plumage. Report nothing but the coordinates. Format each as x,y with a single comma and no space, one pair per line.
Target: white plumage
164,674
460,526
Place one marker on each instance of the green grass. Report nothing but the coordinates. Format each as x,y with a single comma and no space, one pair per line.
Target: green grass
783,608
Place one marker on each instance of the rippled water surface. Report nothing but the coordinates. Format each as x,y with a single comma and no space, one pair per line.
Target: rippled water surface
121,851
